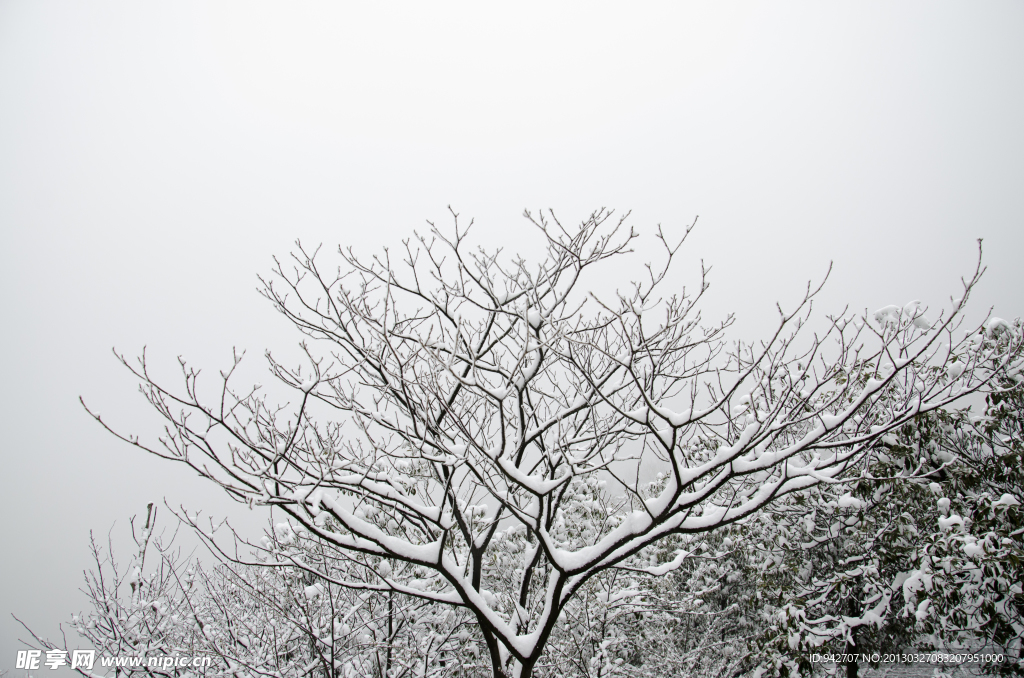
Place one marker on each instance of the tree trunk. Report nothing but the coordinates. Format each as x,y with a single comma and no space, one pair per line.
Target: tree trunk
525,669
391,632
853,608
498,667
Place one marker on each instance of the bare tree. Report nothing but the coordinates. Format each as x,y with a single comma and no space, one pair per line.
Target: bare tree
167,615
461,396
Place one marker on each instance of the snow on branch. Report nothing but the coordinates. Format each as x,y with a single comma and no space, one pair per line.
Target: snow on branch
460,407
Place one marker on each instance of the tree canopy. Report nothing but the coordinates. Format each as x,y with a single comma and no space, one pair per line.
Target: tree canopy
479,433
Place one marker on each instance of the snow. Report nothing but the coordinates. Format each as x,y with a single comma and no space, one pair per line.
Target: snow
632,524
831,421
675,419
916,581
285,533
887,314
995,325
973,549
665,568
384,490
534,484
534,317
954,370
368,537
948,523
849,501
872,617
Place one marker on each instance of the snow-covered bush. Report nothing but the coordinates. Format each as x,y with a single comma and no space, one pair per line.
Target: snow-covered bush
921,548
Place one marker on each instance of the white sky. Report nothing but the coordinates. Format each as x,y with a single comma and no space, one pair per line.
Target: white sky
153,157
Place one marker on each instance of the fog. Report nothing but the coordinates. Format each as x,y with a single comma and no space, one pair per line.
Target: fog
154,158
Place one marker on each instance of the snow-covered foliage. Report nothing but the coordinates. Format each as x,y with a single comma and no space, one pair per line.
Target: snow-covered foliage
970,564
922,548
460,409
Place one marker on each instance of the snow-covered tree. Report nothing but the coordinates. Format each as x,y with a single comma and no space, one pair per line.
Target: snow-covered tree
965,586
921,548
453,398
827,568
268,618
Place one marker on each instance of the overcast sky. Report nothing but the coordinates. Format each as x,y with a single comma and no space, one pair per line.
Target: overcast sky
155,156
